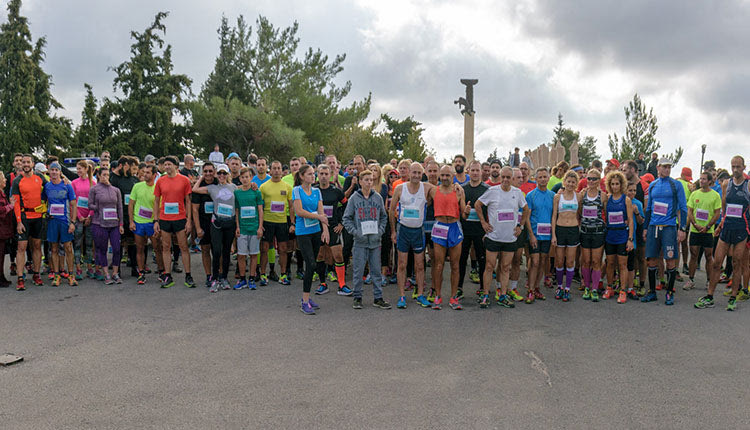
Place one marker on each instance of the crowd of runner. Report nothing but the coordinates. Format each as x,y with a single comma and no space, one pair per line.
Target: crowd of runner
619,230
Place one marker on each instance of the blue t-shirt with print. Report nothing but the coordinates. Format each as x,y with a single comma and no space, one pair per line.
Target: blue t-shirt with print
58,196
309,203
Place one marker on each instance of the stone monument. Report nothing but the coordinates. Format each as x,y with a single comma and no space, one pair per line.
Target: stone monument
574,153
467,110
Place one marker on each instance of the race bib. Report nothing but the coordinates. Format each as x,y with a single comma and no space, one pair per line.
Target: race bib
616,217
543,229
278,207
473,215
701,215
248,212
83,202
171,208
440,231
310,222
369,227
328,210
734,210
57,209
410,213
661,208
590,212
506,215
109,214
208,207
145,212
127,199
569,207
225,210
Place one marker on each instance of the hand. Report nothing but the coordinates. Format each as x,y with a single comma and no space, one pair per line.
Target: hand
553,242
467,210
132,226
645,233
355,180
681,236
325,237
517,231
188,225
237,232
393,237
487,227
156,227
21,229
253,186
629,246
323,218
291,228
71,228
532,240
338,229
122,230
457,187
260,232
199,232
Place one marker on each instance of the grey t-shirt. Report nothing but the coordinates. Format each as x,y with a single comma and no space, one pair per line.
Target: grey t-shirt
223,197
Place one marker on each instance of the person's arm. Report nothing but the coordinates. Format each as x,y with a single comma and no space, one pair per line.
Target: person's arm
554,219
157,207
259,207
461,201
682,201
480,214
198,189
325,235
629,206
382,217
353,181
188,214
392,212
527,223
348,219
715,218
131,211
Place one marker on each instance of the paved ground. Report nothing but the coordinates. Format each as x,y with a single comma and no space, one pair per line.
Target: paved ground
128,356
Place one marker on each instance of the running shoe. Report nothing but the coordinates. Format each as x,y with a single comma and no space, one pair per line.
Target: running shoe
414,294
263,280
116,278
108,280
594,295
437,303
460,293
661,285
20,285
497,294
214,286
284,280
538,295
37,280
401,304
322,289
431,296
331,277
195,249
55,280
191,284
723,279
79,275
685,269
732,304
251,284
632,295
380,303
99,276
586,294
64,274
484,302
207,284
141,278
548,282
91,274
307,309
167,280
72,281
566,296
300,275
506,302
176,267
51,275
650,297
316,277
479,292
743,295
357,304
345,291
642,291
678,278
727,293
368,279
224,285
608,293
474,276
704,302
393,279
513,293
240,284
313,304
558,294
529,298
273,276
455,304
422,300
669,299
688,285
623,297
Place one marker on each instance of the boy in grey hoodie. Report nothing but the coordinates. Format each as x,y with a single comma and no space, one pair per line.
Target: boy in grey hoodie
365,219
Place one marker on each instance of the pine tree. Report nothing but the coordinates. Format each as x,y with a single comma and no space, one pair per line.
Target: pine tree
87,134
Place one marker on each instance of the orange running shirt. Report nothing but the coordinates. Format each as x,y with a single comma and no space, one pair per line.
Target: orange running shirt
29,192
172,192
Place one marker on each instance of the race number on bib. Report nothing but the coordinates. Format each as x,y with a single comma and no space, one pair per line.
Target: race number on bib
734,210
473,215
57,209
328,210
248,212
208,207
83,202
310,222
369,227
590,212
661,208
616,217
145,212
410,213
543,229
440,231
225,210
278,207
506,215
109,214
127,199
172,208
701,215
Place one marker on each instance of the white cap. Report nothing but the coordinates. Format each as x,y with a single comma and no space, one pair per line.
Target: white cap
664,161
222,168
40,168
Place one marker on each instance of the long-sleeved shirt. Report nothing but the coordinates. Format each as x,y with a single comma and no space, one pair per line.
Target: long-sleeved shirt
105,201
661,208
6,217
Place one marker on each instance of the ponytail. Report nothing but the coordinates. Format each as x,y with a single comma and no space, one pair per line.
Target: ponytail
89,170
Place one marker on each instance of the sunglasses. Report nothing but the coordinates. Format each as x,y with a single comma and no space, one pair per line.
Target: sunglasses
593,179
223,173
506,177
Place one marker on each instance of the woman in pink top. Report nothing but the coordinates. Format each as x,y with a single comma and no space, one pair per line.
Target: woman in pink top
83,238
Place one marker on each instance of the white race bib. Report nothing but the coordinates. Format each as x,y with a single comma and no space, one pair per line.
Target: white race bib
225,210
473,215
369,227
57,209
145,212
661,208
543,229
328,210
171,208
734,210
590,212
701,215
440,231
248,212
616,217
127,199
109,214
83,202
278,207
506,215
310,222
208,207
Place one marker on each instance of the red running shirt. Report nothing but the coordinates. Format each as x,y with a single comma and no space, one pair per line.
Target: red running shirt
172,192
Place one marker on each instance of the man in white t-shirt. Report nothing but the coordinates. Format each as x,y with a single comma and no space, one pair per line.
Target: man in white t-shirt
216,156
503,227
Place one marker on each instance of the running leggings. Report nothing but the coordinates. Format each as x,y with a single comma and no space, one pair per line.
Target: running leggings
309,244
221,245
103,238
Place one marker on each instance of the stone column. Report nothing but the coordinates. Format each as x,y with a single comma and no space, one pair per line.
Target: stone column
468,137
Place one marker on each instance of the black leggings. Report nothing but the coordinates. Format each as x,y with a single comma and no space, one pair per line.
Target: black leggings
309,244
221,246
465,250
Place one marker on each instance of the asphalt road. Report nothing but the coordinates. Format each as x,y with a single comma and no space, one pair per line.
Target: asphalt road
131,356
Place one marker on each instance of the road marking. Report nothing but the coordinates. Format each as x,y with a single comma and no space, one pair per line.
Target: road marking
538,365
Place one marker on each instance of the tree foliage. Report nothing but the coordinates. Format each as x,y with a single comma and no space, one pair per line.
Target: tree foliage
364,140
399,131
141,121
640,134
86,138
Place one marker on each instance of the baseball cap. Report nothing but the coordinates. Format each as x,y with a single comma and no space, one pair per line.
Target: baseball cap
54,165
222,168
40,168
149,158
688,173
233,155
663,161
615,162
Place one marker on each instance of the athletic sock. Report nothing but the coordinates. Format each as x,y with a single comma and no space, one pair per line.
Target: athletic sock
652,279
569,277
596,276
559,276
671,276
341,274
586,272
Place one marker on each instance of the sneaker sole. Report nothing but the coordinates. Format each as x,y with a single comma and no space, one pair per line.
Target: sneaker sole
381,307
320,293
344,293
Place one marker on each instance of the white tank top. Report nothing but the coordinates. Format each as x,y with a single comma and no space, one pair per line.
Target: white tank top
564,205
412,206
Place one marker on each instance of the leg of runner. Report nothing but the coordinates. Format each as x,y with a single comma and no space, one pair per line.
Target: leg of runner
437,257
454,254
166,252
185,251
503,276
21,263
489,269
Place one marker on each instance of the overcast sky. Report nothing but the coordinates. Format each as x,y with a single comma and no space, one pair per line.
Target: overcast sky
533,58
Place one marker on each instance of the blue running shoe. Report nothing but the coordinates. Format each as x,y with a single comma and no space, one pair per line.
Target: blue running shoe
345,291
650,297
368,279
313,304
307,309
669,299
422,300
393,279
401,303
322,289
263,280
240,284
251,285
559,294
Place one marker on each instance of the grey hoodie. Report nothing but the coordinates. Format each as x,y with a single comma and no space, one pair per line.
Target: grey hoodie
360,209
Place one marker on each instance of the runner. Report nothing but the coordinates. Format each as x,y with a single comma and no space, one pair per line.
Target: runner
125,182
105,203
26,196
446,235
495,167
618,241
333,198
202,210
472,228
83,238
666,201
141,215
365,219
277,197
223,225
432,176
503,202
732,233
249,206
262,176
61,205
592,201
565,234
526,183
310,219
459,163
408,206
539,225
704,209
521,243
172,198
